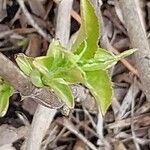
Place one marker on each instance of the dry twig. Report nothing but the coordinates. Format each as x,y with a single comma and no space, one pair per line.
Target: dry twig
39,128
132,121
138,40
32,22
73,129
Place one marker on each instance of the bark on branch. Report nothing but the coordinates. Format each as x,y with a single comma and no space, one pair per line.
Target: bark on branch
11,73
138,40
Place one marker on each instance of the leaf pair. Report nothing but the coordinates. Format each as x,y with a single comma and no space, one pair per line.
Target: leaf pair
86,64
86,46
93,60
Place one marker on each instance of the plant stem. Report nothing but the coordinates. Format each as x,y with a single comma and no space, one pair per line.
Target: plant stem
40,123
38,127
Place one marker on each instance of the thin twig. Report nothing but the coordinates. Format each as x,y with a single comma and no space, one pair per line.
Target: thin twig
8,33
125,62
90,118
74,14
17,79
65,122
138,120
132,121
32,22
84,125
127,101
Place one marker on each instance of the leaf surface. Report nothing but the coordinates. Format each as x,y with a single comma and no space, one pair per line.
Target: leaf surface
87,40
100,86
24,63
36,78
43,64
103,59
5,92
62,89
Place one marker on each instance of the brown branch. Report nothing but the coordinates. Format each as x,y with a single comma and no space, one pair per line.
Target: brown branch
43,116
32,22
17,79
40,123
22,84
138,40
63,21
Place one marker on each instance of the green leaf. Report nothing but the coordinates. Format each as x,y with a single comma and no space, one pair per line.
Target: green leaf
100,86
36,78
103,59
87,40
104,55
58,63
62,89
125,54
5,93
4,103
43,64
50,67
58,52
54,49
24,63
72,76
